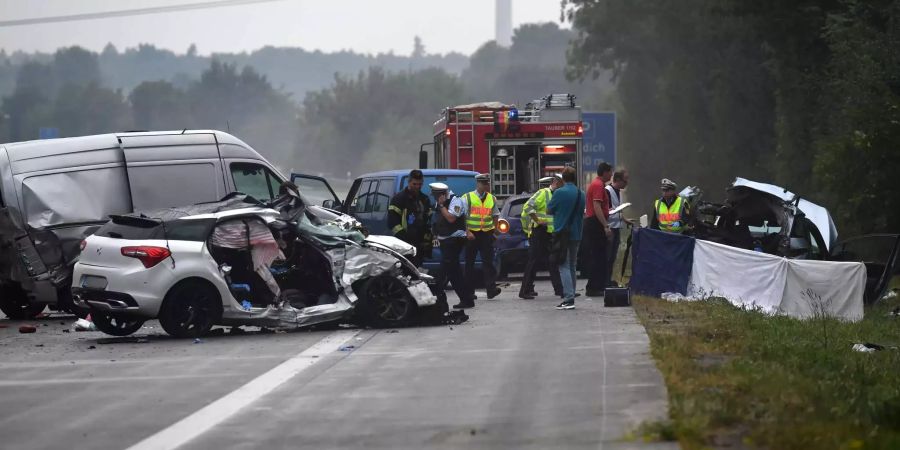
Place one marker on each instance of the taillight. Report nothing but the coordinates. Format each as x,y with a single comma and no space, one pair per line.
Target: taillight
83,244
149,256
503,226
580,129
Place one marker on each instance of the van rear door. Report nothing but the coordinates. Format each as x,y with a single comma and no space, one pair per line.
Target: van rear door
166,170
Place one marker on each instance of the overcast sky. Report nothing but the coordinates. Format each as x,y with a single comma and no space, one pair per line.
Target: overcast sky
367,26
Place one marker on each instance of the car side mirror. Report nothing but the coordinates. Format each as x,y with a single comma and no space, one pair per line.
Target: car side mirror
332,204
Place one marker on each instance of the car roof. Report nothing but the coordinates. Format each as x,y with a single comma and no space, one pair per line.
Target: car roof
426,172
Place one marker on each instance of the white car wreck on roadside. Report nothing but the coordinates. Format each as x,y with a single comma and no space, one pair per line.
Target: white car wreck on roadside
239,262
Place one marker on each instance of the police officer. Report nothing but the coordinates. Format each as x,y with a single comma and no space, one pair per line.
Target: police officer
409,216
450,229
482,214
538,226
671,211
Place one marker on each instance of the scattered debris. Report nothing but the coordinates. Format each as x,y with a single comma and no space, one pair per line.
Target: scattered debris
392,331
246,305
868,347
84,325
44,324
66,330
25,329
198,341
347,348
123,340
674,297
92,347
39,345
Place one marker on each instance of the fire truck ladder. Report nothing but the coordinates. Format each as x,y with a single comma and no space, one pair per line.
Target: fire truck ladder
465,128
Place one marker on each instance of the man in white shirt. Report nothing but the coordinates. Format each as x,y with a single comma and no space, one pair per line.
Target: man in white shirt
616,221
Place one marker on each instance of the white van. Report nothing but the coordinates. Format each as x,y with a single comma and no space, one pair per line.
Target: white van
54,193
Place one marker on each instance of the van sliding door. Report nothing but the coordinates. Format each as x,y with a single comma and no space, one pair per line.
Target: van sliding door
172,170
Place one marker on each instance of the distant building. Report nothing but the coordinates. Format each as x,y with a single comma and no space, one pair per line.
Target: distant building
503,27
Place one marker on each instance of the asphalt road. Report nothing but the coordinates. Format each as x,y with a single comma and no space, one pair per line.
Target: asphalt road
519,374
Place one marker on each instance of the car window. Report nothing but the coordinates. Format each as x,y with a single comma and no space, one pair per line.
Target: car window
381,197
515,209
316,190
255,180
359,202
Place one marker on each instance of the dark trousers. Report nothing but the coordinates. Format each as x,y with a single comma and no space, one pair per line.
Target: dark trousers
451,249
594,244
539,253
482,244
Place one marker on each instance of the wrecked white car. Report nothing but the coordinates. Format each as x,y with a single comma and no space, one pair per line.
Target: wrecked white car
239,262
764,217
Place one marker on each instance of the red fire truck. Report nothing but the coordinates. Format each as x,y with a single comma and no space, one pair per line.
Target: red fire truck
517,147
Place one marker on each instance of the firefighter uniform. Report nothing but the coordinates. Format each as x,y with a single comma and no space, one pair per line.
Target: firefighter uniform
409,219
538,241
481,213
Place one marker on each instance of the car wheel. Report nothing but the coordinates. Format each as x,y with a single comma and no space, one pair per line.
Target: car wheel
190,309
116,326
15,304
385,302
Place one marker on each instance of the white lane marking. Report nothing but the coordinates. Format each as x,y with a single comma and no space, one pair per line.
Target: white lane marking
218,411
9,383
603,384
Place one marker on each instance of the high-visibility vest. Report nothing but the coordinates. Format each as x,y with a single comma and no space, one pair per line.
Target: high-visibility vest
537,204
479,217
669,215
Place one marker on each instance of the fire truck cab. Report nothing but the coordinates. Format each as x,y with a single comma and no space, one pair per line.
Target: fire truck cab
516,146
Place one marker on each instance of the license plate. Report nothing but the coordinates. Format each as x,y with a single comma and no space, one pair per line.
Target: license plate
93,282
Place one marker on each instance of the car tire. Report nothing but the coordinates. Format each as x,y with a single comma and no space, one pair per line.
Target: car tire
385,302
116,326
190,309
14,302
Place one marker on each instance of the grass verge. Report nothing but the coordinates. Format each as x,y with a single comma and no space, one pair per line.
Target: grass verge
742,379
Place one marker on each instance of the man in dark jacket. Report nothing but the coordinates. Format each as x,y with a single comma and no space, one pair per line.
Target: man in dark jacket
409,216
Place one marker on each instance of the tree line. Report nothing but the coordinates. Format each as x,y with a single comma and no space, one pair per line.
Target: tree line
804,94
371,119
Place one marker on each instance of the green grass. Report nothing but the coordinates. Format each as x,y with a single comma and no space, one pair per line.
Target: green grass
742,379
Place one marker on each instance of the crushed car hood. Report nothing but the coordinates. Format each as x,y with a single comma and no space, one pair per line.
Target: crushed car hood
818,215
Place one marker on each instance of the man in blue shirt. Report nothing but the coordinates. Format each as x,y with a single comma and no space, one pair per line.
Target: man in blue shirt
567,207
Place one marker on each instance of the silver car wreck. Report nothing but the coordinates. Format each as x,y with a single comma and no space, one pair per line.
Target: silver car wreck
275,265
764,217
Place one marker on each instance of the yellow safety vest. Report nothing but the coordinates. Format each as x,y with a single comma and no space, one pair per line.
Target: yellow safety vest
479,217
669,215
537,204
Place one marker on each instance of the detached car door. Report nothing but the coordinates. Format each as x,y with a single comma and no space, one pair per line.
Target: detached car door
317,191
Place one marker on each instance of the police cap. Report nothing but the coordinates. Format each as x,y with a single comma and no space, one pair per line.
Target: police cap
667,184
438,187
483,177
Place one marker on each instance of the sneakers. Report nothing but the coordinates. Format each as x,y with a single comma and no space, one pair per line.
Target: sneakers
568,304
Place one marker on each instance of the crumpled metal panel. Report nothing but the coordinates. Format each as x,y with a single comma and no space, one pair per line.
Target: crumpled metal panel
74,197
